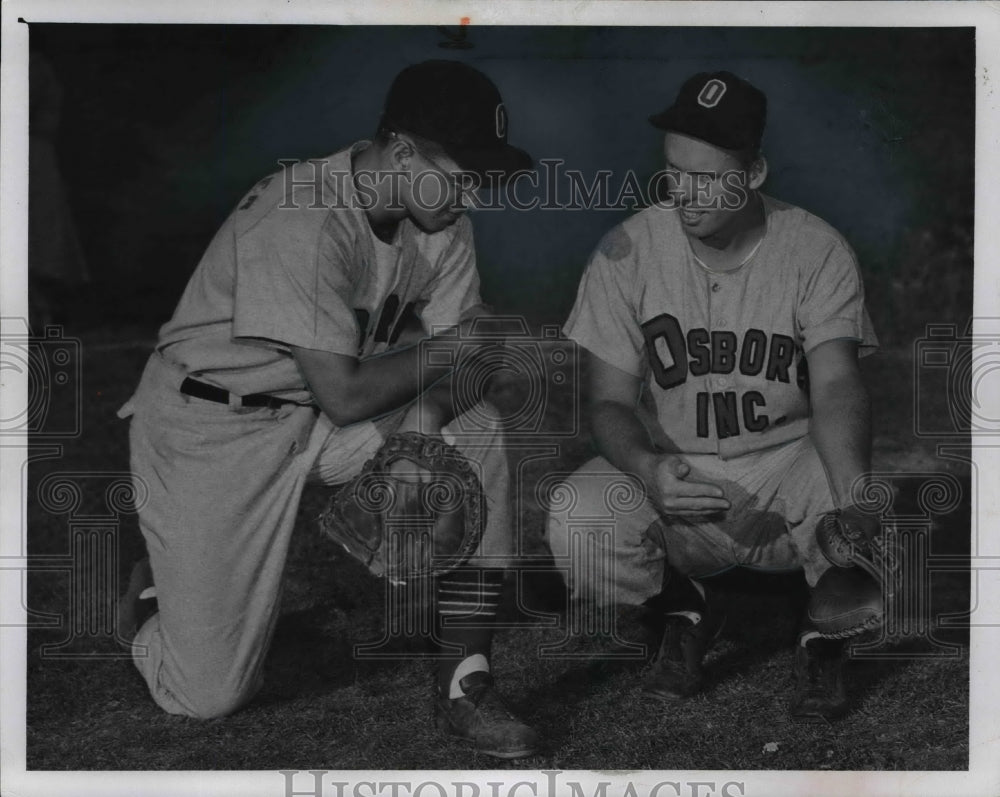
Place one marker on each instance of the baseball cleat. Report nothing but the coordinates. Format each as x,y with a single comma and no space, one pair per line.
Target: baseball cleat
820,694
138,603
676,672
481,718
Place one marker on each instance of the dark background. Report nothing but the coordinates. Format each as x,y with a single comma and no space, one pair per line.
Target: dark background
163,128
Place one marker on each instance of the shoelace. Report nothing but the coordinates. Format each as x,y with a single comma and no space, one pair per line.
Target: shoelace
489,705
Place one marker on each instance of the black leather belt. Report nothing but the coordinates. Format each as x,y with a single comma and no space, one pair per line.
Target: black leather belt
192,387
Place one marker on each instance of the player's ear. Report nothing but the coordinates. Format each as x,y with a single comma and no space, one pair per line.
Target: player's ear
757,173
399,151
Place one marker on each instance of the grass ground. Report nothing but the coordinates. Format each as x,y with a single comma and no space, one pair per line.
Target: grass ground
325,708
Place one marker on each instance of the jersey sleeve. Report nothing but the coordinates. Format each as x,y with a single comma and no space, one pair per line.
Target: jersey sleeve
832,304
455,285
293,285
604,319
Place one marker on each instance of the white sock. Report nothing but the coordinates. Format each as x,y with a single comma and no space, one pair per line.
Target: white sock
477,662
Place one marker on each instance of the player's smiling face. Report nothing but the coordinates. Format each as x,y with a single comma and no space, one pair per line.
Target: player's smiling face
708,185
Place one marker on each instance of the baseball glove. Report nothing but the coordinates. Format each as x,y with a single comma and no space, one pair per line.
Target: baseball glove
404,529
850,597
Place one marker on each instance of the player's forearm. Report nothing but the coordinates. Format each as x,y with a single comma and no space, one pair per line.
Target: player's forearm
433,410
621,438
349,390
383,384
840,428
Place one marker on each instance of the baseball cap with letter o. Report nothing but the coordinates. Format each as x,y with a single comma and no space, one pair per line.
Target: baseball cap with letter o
458,108
719,108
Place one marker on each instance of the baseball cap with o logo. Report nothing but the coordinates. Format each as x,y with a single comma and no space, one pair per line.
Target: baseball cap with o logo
719,108
459,108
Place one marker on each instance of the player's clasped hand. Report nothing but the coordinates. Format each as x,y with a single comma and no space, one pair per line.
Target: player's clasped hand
673,493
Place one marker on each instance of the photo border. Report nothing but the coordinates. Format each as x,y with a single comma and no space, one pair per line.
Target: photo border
983,776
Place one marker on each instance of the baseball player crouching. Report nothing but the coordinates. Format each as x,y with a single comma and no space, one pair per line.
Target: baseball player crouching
722,330
267,376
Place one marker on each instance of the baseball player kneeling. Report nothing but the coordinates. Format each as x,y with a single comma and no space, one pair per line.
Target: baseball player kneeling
284,362
722,330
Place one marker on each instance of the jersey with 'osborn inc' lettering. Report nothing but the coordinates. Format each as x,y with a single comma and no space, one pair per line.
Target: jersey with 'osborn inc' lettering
722,354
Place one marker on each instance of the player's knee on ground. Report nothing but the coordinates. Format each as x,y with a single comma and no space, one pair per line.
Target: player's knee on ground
210,701
221,705
201,692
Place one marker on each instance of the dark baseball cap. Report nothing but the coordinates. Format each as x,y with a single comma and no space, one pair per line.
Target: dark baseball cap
717,107
458,108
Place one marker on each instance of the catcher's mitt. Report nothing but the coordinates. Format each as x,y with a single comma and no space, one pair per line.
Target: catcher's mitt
406,529
845,602
850,597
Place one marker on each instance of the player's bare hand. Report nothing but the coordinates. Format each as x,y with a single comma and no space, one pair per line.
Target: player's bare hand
673,492
408,471
426,415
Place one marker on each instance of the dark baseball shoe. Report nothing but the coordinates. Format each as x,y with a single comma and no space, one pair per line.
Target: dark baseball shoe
138,603
819,682
481,718
676,672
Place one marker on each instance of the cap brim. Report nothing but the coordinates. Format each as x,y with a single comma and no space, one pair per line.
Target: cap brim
663,119
677,121
494,163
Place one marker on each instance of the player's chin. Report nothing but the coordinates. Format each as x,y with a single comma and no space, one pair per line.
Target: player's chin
436,222
703,224
698,220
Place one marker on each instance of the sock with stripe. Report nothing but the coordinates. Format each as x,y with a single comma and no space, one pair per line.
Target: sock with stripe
680,596
467,602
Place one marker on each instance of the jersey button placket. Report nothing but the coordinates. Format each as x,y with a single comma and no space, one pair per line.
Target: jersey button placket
715,286
720,382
